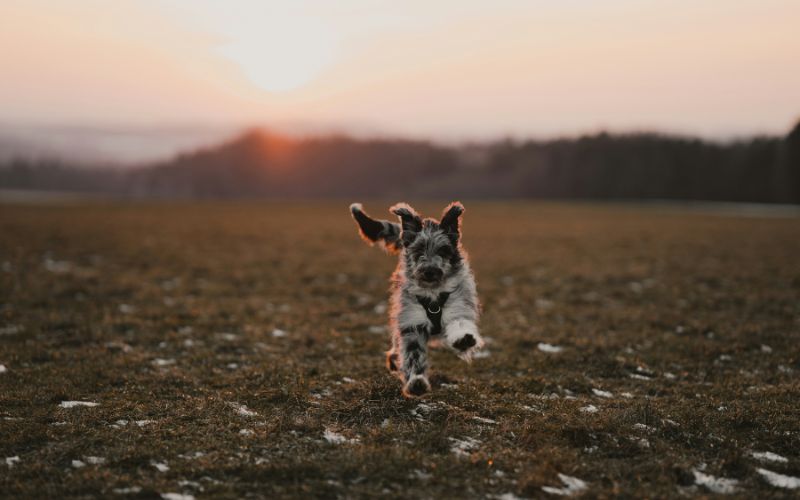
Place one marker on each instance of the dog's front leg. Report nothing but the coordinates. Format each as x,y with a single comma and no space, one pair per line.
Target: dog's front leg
414,353
461,335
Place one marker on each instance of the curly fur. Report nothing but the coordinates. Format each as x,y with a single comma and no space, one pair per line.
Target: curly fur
432,264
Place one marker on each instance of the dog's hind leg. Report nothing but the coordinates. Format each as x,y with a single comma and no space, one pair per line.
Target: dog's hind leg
393,357
414,357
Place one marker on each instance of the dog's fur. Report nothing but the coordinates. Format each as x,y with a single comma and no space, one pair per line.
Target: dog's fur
432,267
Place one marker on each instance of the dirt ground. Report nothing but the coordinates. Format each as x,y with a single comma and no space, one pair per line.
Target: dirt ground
235,350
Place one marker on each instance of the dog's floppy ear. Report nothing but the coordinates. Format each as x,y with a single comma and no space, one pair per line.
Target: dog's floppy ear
383,232
451,219
410,221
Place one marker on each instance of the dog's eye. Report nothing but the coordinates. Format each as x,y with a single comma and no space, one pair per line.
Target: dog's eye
444,253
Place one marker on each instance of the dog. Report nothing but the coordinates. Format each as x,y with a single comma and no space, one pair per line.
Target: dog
434,297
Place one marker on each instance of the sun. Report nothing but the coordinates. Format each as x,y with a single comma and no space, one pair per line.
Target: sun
282,57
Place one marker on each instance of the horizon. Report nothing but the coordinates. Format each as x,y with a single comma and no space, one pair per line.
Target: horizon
470,74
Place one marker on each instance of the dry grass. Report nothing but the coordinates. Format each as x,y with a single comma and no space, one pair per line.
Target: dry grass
691,322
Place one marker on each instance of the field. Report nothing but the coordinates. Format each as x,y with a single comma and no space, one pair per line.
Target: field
236,350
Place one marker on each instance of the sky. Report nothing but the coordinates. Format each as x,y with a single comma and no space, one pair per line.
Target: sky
445,69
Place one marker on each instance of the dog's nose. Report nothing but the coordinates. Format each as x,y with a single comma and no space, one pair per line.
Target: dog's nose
431,273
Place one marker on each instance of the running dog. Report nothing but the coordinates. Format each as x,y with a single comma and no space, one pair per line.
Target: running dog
433,290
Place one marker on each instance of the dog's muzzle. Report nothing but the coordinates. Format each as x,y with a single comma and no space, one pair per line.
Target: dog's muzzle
430,275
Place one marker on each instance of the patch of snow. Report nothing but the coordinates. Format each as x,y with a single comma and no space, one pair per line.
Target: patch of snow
644,427
766,349
57,266
421,410
779,480
724,357
572,486
638,377
118,346
590,409
246,432
336,438
191,484
420,474
449,386
278,333
78,464
721,485
74,404
507,496
462,447
126,309
11,330
59,424
188,343
545,347
348,380
602,394
627,395
670,376
768,456
243,410
484,420
3,369
176,496
232,366
380,308
163,362
12,461
481,354
95,460
161,466
142,423
127,491
230,337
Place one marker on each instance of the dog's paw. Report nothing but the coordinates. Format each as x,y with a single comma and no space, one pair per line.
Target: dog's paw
417,386
465,342
463,338
475,345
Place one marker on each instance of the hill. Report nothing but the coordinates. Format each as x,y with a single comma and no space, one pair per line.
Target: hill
601,166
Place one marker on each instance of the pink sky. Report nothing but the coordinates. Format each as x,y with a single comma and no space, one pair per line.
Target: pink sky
445,69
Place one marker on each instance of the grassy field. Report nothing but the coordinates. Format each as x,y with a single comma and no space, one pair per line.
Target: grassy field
236,350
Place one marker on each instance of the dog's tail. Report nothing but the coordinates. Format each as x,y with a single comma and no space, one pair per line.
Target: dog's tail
383,232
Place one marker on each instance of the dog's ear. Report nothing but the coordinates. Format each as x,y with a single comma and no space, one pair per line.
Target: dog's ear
409,220
451,219
383,232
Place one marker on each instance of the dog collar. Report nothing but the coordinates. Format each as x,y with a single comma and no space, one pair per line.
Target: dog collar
433,309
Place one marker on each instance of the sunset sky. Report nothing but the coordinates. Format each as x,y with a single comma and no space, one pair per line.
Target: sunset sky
446,69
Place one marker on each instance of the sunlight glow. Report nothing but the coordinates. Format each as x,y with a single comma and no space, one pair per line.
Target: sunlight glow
282,56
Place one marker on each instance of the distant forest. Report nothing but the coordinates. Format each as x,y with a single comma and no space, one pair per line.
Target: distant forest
601,166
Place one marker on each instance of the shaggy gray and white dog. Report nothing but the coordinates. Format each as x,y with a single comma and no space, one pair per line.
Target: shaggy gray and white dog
433,290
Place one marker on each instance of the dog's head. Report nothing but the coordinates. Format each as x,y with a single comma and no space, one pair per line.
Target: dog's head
430,248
